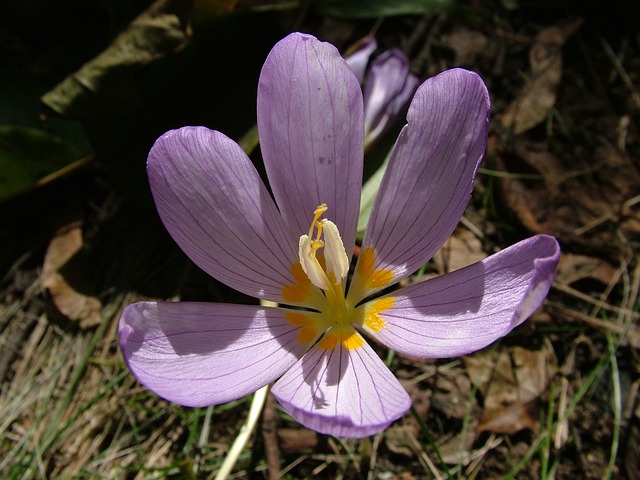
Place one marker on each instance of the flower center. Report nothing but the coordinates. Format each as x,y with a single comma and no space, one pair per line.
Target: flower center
319,284
328,269
335,263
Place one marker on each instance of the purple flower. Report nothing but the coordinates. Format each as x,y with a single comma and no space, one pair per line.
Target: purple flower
358,57
292,250
388,87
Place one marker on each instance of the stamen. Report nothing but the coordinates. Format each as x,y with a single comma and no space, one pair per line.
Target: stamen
317,213
326,270
307,252
334,253
315,245
336,265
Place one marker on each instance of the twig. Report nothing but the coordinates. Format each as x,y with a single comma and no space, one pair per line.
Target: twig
632,334
270,438
607,216
374,456
424,458
587,298
562,428
472,228
621,71
617,408
245,433
257,404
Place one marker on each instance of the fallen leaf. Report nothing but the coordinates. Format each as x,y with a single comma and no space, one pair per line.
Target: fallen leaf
573,268
457,450
583,206
537,98
461,249
214,7
511,419
400,438
531,200
64,245
72,304
297,440
452,393
511,381
467,44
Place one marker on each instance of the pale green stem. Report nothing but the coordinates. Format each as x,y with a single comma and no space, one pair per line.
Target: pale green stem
249,426
245,433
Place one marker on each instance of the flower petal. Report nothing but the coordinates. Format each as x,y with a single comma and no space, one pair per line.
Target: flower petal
358,59
200,354
215,206
384,82
468,309
345,392
430,175
310,124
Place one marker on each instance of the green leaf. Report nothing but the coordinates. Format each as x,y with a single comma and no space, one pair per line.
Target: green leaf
380,8
368,195
28,155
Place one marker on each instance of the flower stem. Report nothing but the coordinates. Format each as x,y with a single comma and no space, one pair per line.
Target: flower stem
249,426
245,433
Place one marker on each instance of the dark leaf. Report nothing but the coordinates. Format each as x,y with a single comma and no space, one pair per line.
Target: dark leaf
27,155
380,8
108,83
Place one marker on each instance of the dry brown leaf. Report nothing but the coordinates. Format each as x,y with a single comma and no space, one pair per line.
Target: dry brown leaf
297,440
72,304
397,438
458,449
511,380
452,393
573,268
531,200
62,247
580,205
511,419
537,98
214,7
467,44
461,249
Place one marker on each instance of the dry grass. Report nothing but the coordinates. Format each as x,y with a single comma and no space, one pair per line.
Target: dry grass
70,409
